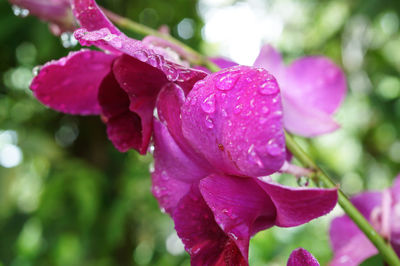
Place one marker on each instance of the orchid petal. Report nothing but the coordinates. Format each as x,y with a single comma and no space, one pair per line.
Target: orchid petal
234,118
316,82
90,16
70,84
271,60
352,249
123,127
301,257
206,243
223,62
119,44
296,206
240,207
395,235
174,170
306,120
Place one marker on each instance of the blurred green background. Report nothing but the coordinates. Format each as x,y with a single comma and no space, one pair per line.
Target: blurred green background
67,197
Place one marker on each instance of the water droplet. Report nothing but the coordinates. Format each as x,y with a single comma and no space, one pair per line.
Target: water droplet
262,120
151,149
193,101
171,72
229,123
269,87
36,70
227,80
238,109
224,113
252,102
155,60
273,148
303,181
19,11
68,40
253,157
141,55
208,105
265,110
232,235
209,122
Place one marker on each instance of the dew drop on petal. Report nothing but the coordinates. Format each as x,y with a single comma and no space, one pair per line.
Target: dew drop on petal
262,120
238,109
36,70
227,80
265,110
208,105
269,87
209,122
273,148
141,55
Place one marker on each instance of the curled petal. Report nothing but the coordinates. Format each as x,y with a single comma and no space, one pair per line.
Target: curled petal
240,207
71,84
89,15
124,127
234,118
206,243
301,257
296,206
271,60
306,120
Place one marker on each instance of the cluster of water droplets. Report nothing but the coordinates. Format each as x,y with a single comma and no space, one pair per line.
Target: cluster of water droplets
68,40
19,11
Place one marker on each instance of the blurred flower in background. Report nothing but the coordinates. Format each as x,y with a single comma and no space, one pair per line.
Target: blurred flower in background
67,197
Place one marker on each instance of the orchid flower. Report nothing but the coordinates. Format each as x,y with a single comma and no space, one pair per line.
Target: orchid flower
213,151
312,90
301,257
57,12
382,209
120,84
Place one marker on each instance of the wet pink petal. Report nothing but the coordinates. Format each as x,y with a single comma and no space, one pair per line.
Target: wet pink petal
234,118
118,44
296,206
70,84
271,60
174,170
240,207
90,17
395,222
308,121
124,128
301,257
206,243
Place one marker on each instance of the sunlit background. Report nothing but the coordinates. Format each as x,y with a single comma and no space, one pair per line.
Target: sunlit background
67,197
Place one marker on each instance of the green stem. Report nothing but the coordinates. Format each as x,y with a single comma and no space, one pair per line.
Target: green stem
385,249
193,57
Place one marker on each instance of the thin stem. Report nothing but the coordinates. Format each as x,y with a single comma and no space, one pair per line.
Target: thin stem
385,249
193,57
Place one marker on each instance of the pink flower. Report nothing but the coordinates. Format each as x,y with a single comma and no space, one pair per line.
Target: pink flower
312,90
382,209
211,148
57,12
301,257
120,85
